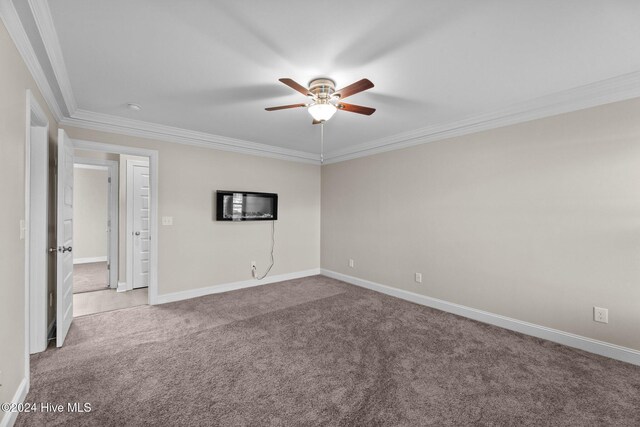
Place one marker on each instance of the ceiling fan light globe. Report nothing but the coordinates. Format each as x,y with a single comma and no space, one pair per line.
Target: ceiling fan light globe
322,112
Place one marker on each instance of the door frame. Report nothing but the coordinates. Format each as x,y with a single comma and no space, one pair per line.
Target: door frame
36,294
153,157
129,230
111,166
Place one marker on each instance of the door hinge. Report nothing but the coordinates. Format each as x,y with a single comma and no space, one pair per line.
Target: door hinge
108,266
109,180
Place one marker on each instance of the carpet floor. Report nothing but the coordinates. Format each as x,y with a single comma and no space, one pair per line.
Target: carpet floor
90,277
316,351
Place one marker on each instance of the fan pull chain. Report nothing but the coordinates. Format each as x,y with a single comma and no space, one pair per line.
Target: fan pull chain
322,142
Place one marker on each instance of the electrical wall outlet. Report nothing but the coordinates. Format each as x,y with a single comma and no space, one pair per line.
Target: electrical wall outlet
351,263
167,220
601,314
419,277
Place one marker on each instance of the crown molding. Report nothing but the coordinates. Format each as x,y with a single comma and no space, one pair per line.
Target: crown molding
120,125
602,92
46,28
614,89
17,33
108,123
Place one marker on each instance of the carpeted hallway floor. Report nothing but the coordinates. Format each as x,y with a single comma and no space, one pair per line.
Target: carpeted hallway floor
90,277
317,351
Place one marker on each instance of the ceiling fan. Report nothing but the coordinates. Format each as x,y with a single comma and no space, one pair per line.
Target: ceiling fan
325,100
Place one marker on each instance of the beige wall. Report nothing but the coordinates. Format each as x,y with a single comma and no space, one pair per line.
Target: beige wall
197,251
88,154
122,202
15,79
90,213
539,221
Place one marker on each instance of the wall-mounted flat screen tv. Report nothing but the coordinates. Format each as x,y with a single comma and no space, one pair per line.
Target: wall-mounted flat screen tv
246,206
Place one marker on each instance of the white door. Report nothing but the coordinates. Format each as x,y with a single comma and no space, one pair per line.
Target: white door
37,229
64,237
138,202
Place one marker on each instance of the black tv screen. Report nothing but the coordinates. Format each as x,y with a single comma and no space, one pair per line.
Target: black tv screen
246,206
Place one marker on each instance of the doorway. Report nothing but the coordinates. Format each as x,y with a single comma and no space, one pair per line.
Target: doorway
95,225
137,223
107,288
49,296
104,283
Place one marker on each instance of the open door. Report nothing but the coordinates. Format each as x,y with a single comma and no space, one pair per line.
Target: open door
64,224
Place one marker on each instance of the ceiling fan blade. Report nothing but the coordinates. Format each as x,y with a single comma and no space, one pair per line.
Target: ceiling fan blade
296,86
284,107
354,88
367,111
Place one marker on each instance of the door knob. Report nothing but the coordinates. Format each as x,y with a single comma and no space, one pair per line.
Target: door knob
137,233
52,250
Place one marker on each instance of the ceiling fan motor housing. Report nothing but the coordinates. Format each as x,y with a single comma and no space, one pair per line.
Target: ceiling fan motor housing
322,89
325,100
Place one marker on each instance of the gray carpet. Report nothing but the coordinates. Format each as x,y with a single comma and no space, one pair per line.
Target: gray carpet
90,277
317,351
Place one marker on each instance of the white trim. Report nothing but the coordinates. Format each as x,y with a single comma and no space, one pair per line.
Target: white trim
90,260
124,126
609,90
21,40
91,167
113,168
9,418
108,123
226,287
46,28
36,301
153,215
129,218
572,340
602,92
122,287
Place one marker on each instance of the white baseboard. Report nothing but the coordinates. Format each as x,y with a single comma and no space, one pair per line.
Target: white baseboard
89,260
9,418
602,348
226,287
122,287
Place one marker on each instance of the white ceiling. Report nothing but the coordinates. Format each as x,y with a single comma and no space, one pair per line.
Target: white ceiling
213,66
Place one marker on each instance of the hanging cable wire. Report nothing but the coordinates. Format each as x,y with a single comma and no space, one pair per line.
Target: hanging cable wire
254,273
322,142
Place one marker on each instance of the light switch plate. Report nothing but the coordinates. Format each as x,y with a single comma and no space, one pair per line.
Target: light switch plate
167,220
